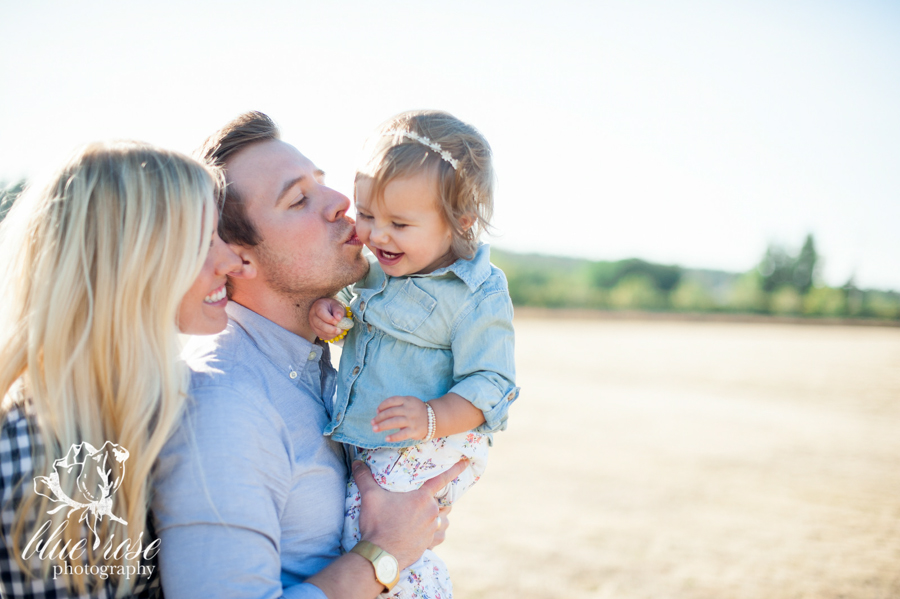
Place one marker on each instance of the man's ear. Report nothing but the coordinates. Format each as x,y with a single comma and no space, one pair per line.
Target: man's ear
248,262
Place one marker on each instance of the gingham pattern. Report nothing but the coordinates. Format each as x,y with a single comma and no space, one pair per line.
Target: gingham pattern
16,466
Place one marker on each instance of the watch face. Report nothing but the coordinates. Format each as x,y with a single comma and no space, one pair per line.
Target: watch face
387,570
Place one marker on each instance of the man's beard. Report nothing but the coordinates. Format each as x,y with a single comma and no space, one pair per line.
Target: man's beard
301,288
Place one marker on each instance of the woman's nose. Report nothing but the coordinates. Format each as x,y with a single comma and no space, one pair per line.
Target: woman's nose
227,261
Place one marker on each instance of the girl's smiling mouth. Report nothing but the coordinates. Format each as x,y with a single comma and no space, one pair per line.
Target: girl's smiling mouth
388,258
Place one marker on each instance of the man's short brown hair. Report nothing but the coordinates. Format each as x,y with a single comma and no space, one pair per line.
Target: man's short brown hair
247,129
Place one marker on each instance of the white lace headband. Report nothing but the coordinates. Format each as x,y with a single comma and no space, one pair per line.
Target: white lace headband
427,142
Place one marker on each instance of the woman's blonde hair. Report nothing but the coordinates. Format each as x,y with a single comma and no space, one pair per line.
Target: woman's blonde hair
94,268
466,190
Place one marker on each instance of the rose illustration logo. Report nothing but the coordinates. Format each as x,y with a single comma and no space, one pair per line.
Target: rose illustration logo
94,470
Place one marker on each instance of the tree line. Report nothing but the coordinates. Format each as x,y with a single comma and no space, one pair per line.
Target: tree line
783,283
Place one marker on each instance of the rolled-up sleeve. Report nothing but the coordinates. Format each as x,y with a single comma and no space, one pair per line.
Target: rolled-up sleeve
483,346
220,486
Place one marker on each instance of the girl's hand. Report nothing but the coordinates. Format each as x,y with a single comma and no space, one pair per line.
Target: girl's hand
324,315
403,412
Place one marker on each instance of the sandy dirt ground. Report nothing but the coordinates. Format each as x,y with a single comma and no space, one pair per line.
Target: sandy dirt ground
691,461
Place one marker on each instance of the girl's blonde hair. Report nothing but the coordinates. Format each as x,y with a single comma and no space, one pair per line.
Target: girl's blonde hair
466,191
94,268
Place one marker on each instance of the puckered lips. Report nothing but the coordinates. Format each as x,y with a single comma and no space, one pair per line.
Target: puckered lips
217,297
352,238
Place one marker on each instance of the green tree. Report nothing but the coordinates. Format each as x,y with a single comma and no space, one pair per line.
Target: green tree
854,297
780,268
691,296
607,275
776,268
8,195
825,301
804,270
786,300
636,292
748,294
881,304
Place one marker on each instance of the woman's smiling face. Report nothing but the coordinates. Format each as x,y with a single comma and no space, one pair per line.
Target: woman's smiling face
404,229
202,309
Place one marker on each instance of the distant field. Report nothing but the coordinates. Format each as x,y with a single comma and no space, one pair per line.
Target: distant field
654,460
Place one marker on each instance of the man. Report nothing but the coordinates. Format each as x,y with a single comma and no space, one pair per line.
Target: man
249,494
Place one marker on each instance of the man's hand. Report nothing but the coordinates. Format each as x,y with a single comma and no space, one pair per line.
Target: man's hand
403,412
403,524
324,315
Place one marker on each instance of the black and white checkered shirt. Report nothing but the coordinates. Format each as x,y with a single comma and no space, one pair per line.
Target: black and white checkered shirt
18,439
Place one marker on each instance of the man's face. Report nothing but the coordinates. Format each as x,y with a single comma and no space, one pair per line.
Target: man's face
309,247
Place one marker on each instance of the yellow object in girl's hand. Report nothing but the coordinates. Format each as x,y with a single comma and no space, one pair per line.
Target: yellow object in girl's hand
345,325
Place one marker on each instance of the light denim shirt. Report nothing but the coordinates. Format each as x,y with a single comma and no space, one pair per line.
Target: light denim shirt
426,335
248,494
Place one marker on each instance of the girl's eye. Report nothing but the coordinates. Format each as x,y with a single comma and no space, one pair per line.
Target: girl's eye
398,225
363,215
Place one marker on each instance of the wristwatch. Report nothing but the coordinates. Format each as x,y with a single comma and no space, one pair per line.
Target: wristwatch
387,570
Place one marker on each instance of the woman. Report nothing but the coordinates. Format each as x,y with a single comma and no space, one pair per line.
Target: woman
101,269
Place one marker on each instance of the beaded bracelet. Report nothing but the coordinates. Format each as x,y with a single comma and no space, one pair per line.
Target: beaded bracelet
431,423
346,324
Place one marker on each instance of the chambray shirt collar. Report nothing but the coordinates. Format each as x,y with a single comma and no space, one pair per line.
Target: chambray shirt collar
472,272
286,350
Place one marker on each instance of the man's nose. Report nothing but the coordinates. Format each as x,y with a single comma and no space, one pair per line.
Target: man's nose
337,205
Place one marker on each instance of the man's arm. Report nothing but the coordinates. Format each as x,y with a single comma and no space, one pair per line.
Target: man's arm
403,524
219,490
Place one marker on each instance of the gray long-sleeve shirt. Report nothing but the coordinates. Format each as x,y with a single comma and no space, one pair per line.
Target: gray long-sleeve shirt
249,496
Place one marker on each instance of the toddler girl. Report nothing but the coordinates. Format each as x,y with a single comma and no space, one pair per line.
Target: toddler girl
427,369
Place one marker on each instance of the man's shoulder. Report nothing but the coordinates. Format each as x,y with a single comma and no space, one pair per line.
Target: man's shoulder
226,399
220,359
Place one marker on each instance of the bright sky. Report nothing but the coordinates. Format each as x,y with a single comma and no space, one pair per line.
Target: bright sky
681,132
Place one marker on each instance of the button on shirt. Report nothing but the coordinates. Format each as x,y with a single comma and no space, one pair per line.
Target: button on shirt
249,496
424,336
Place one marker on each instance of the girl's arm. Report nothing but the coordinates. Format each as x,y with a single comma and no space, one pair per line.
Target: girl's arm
452,414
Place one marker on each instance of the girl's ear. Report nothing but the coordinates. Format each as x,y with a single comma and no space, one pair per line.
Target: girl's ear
467,220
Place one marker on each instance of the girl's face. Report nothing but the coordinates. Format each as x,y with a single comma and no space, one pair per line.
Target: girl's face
202,310
405,231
